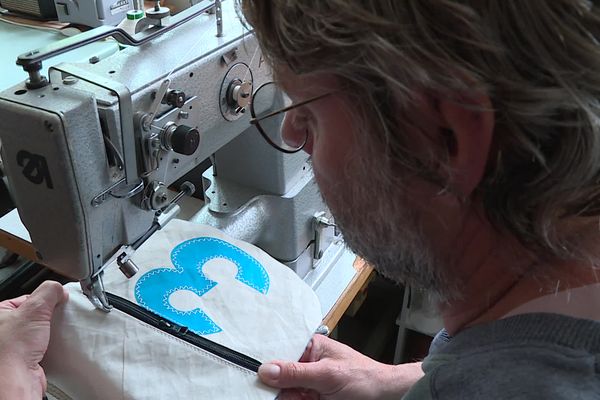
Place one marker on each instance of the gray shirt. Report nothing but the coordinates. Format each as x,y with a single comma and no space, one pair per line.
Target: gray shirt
529,356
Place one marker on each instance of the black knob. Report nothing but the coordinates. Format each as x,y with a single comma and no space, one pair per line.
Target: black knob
185,140
175,98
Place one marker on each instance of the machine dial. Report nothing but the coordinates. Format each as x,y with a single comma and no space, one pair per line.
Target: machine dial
236,91
175,98
239,94
185,140
181,139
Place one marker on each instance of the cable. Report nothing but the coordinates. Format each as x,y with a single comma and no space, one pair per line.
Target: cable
115,152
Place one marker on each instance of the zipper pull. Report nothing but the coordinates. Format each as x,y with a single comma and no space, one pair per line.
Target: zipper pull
171,327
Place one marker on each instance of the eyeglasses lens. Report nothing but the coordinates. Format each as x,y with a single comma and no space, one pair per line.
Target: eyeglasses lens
268,99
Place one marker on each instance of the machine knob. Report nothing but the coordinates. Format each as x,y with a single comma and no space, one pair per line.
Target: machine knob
239,94
175,98
185,140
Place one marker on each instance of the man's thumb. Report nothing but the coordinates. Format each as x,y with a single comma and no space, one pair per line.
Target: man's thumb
41,303
292,375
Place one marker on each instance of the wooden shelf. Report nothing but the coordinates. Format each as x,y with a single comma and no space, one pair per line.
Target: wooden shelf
357,285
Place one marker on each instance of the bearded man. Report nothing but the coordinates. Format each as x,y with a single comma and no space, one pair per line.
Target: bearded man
457,143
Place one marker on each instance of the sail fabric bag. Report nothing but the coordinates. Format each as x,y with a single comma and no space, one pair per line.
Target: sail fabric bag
195,322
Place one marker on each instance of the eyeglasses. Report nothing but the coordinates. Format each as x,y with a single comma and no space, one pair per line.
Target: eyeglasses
266,98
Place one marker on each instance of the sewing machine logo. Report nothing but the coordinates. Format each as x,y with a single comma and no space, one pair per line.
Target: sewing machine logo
35,168
118,6
154,289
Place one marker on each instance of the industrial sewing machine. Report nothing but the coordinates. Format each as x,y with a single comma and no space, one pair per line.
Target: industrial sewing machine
90,151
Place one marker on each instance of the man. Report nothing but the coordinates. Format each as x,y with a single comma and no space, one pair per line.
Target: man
457,143
24,336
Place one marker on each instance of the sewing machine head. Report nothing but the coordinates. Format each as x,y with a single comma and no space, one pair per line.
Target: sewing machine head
90,152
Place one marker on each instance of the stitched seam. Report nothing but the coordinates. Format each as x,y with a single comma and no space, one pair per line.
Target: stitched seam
179,248
200,292
189,345
176,254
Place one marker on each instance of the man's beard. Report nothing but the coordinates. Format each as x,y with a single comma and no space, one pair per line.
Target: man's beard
370,209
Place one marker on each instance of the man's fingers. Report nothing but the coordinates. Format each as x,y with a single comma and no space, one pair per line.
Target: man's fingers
319,347
310,353
41,303
50,292
13,303
293,375
324,347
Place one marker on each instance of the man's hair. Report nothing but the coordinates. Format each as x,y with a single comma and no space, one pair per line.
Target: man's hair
538,60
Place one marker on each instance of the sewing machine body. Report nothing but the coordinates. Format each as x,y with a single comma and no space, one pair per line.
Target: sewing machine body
81,204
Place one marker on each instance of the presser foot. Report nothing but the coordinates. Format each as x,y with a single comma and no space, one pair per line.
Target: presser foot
93,288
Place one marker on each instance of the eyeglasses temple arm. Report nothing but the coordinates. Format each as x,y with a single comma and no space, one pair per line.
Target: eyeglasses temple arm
290,107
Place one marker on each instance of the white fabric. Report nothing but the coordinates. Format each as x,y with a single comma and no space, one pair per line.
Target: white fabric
94,355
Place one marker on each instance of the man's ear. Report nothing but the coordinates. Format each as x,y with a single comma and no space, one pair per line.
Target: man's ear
468,126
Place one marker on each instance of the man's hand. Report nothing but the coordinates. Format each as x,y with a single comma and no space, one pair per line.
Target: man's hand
24,337
331,370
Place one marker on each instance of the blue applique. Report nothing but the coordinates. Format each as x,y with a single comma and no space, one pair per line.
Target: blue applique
153,289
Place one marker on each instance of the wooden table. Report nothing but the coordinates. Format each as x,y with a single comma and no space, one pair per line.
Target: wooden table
358,284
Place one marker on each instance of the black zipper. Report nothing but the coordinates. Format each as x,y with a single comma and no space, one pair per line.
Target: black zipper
182,333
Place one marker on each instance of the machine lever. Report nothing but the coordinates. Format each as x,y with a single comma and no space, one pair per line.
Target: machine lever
320,222
186,189
162,217
160,94
93,286
32,60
